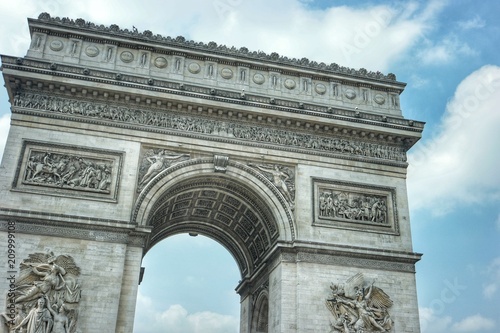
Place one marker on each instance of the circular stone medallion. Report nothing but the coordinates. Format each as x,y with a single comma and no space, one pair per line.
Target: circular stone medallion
320,88
194,68
379,99
350,94
56,45
259,78
126,57
289,84
161,62
92,51
226,73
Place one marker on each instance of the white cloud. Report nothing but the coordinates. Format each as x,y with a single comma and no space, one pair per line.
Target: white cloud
473,324
460,164
432,323
371,37
176,319
474,23
445,51
4,131
493,275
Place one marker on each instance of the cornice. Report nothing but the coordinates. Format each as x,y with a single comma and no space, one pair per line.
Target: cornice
46,23
323,113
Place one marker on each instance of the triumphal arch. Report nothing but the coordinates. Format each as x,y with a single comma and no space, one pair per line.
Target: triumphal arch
121,138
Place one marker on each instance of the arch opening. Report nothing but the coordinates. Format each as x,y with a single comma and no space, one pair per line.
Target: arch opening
188,281
218,206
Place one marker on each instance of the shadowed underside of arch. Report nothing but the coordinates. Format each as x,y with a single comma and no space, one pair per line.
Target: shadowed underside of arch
222,206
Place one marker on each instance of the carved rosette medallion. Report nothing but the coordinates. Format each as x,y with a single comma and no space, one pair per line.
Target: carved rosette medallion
126,57
350,94
226,73
355,206
259,78
160,62
56,45
379,99
358,306
320,89
194,68
68,171
92,51
48,290
154,161
289,84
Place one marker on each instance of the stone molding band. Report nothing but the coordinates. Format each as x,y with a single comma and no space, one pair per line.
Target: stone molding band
80,231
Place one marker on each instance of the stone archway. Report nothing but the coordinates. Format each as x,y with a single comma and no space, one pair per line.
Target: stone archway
238,208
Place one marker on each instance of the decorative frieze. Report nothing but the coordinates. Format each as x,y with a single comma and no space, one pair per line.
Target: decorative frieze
358,206
341,145
242,52
54,169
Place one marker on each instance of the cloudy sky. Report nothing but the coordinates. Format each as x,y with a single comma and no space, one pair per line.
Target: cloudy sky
447,52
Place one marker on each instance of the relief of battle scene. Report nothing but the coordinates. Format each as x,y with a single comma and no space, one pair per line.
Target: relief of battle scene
355,206
46,295
65,171
352,206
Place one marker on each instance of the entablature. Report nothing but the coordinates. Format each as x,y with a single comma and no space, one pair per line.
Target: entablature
66,41
112,87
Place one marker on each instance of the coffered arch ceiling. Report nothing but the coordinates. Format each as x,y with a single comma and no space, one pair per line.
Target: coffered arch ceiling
227,207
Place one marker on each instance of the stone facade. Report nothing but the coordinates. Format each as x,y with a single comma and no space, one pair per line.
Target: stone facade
120,139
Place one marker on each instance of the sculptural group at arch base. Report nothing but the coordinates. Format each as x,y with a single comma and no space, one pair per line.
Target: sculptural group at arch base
120,139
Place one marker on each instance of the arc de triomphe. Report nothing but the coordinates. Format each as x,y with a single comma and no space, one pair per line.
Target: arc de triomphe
122,138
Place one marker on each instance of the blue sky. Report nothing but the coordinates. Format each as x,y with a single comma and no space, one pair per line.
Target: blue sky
447,52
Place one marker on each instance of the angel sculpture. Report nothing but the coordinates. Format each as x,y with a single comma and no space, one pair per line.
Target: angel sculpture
54,279
157,164
359,308
281,178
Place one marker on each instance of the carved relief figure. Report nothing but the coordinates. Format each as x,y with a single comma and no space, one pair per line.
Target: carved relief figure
47,282
67,171
359,308
39,319
157,162
192,124
352,206
61,321
281,177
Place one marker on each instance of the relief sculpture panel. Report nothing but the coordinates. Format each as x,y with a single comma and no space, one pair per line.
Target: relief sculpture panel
46,295
359,307
64,170
355,206
154,161
279,138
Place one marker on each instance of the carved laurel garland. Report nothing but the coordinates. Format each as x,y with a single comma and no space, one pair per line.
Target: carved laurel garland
347,147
